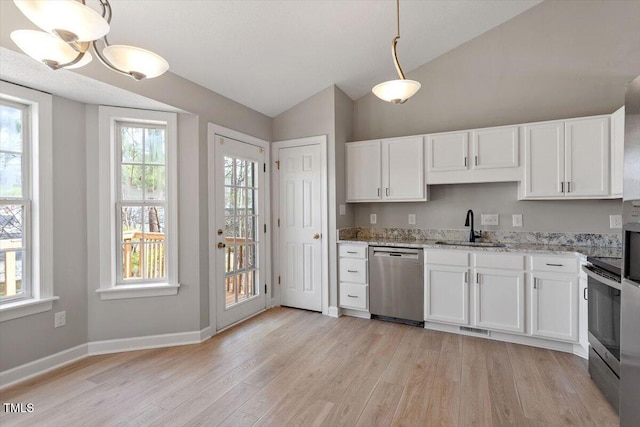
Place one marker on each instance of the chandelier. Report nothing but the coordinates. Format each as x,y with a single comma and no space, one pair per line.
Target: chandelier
396,91
72,31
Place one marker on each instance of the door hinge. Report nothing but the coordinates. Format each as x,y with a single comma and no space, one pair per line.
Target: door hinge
278,280
265,228
264,167
278,164
278,222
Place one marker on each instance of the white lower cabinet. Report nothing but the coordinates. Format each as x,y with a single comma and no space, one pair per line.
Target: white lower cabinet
554,306
499,300
447,294
353,288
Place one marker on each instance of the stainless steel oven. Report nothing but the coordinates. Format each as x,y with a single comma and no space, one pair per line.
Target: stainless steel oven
604,291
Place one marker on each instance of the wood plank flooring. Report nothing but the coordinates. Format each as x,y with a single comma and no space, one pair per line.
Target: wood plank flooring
290,367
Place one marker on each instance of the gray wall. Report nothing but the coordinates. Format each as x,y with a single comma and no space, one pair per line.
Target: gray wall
559,59
449,203
33,337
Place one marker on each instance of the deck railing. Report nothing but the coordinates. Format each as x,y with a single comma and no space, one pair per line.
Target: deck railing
10,285
153,254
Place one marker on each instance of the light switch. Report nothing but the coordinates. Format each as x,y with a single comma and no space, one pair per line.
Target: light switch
373,218
615,221
343,210
412,219
517,220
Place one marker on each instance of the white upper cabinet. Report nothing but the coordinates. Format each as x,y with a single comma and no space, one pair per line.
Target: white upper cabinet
617,152
386,170
363,174
566,159
480,155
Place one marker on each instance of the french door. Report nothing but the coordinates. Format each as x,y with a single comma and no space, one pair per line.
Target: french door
239,242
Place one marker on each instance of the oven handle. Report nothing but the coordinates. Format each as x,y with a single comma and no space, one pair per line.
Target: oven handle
601,279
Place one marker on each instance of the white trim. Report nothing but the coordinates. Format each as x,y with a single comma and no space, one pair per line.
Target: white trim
38,367
275,176
41,171
212,131
206,333
333,312
26,307
107,116
355,313
145,342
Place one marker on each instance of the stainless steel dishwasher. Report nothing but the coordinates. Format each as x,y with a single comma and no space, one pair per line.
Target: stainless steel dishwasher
396,283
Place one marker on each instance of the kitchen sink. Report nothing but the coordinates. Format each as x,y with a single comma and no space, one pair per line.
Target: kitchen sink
474,244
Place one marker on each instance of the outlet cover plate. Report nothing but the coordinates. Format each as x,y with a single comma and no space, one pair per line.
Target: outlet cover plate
517,220
373,218
615,221
59,319
489,219
412,219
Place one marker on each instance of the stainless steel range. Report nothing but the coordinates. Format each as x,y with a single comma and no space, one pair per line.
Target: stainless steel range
604,291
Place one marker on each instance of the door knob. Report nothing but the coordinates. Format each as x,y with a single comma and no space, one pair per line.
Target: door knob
316,236
221,245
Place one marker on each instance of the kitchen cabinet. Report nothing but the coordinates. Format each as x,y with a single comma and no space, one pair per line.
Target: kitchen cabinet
566,159
499,300
447,294
617,152
353,272
480,155
386,170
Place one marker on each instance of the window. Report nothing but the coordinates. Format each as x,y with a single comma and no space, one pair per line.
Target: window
137,203
25,202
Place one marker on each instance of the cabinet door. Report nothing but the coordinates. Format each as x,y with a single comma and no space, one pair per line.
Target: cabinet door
544,160
495,148
448,151
617,151
499,300
587,157
363,172
446,294
554,306
403,169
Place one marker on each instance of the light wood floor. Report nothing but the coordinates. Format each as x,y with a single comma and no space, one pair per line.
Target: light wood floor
290,367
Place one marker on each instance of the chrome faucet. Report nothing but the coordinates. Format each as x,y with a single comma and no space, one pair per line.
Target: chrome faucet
469,222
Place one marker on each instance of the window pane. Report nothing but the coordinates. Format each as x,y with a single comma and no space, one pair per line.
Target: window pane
155,182
10,128
154,260
132,221
154,225
11,226
241,179
132,256
11,269
131,182
131,144
10,175
154,146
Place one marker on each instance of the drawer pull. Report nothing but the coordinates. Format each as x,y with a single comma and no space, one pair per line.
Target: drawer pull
555,265
352,296
352,271
352,252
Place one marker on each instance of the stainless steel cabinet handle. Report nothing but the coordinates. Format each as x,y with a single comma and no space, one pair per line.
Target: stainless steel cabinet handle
476,160
352,271
555,265
562,186
568,186
478,278
535,283
466,277
352,296
465,162
387,191
352,252
585,294
378,191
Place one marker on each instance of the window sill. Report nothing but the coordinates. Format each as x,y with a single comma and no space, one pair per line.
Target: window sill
137,291
24,308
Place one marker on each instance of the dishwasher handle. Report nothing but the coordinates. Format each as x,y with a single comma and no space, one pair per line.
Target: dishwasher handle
403,253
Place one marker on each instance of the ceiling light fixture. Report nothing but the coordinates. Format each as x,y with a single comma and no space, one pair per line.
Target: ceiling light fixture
73,30
396,91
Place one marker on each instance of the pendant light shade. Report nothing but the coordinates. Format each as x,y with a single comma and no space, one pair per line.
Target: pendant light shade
135,61
47,48
72,31
396,91
79,22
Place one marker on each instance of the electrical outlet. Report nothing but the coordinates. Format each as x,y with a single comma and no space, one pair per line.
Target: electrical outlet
615,221
373,218
489,219
517,220
412,219
59,319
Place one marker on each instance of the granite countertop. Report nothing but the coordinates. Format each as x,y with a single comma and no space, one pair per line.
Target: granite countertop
584,251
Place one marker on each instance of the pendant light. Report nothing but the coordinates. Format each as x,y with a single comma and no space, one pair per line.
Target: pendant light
72,30
396,91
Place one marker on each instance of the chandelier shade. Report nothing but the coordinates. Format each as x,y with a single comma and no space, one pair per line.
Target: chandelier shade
47,48
71,16
73,30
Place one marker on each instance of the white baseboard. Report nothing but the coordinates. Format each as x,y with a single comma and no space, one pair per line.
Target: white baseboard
355,313
41,366
333,312
29,370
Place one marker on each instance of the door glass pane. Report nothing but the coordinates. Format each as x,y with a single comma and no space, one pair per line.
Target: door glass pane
241,179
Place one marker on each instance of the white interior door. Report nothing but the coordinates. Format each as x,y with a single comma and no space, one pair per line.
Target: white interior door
300,219
239,239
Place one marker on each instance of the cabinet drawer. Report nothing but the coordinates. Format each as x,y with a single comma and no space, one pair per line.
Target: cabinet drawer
354,296
353,251
353,270
555,264
447,257
493,260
